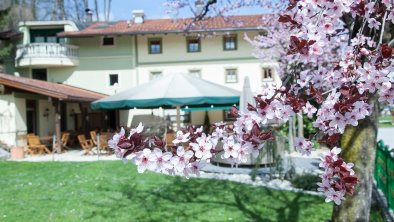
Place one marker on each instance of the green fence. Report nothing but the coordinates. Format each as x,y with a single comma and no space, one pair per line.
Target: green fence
384,173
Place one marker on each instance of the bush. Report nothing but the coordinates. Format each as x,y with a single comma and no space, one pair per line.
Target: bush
306,182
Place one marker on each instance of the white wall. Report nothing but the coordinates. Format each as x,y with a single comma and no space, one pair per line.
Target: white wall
12,118
215,72
46,125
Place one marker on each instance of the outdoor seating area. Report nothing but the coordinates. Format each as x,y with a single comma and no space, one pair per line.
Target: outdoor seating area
34,145
44,145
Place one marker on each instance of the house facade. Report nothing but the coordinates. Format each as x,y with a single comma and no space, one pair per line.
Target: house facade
109,57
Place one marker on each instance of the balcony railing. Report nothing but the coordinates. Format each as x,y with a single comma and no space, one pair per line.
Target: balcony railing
58,54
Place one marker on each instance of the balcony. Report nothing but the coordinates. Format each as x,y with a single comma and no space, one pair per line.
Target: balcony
46,54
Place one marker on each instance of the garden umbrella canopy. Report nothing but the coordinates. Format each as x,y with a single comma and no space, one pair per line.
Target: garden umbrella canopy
171,91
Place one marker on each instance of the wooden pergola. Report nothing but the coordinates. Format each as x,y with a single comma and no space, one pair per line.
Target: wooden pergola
57,93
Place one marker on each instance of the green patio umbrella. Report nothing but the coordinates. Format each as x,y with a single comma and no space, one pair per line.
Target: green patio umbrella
171,91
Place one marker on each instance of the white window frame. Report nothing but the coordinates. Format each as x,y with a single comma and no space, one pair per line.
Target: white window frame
225,75
263,68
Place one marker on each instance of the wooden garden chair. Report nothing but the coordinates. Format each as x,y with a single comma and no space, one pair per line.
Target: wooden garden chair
34,146
64,141
87,145
104,143
93,136
103,140
169,138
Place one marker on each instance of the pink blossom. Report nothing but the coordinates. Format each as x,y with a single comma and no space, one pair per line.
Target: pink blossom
390,17
138,129
336,196
231,148
338,121
203,147
181,138
303,146
181,160
373,23
195,167
113,143
142,160
160,161
309,110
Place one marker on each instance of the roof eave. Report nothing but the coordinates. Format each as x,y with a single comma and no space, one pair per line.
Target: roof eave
159,32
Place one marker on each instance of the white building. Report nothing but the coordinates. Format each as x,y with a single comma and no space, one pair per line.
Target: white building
109,57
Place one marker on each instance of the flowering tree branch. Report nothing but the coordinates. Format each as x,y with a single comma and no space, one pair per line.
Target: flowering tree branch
324,78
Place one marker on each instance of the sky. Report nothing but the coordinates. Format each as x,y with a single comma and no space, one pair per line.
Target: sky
121,9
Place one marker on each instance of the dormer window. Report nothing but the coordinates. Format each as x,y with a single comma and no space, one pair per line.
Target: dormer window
108,41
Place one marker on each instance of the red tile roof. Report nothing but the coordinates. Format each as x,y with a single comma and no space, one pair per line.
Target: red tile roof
168,25
7,35
50,89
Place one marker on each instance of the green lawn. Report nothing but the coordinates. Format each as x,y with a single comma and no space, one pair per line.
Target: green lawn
112,191
385,121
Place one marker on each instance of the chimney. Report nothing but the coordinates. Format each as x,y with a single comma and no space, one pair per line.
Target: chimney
89,15
138,16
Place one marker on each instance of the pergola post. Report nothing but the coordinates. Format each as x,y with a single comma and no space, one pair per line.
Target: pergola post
178,117
58,126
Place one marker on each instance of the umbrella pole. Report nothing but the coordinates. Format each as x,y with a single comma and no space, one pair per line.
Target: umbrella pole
178,117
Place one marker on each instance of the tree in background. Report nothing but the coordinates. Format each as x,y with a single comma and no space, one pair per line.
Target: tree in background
341,95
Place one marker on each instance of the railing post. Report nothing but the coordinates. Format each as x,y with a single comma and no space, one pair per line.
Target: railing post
46,50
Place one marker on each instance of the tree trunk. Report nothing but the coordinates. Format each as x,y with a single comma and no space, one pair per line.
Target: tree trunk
96,9
359,146
109,9
300,125
33,9
105,10
85,4
62,9
291,135
77,10
54,11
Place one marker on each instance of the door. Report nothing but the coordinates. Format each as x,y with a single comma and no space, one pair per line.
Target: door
31,116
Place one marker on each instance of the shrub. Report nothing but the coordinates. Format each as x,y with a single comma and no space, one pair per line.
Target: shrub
306,181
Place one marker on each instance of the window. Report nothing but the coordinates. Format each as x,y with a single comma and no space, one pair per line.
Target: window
154,46
195,73
40,74
263,32
44,35
155,75
62,40
193,45
113,79
230,42
52,39
267,74
39,39
231,76
108,41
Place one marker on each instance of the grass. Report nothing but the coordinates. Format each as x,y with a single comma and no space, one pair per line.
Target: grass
112,191
385,121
